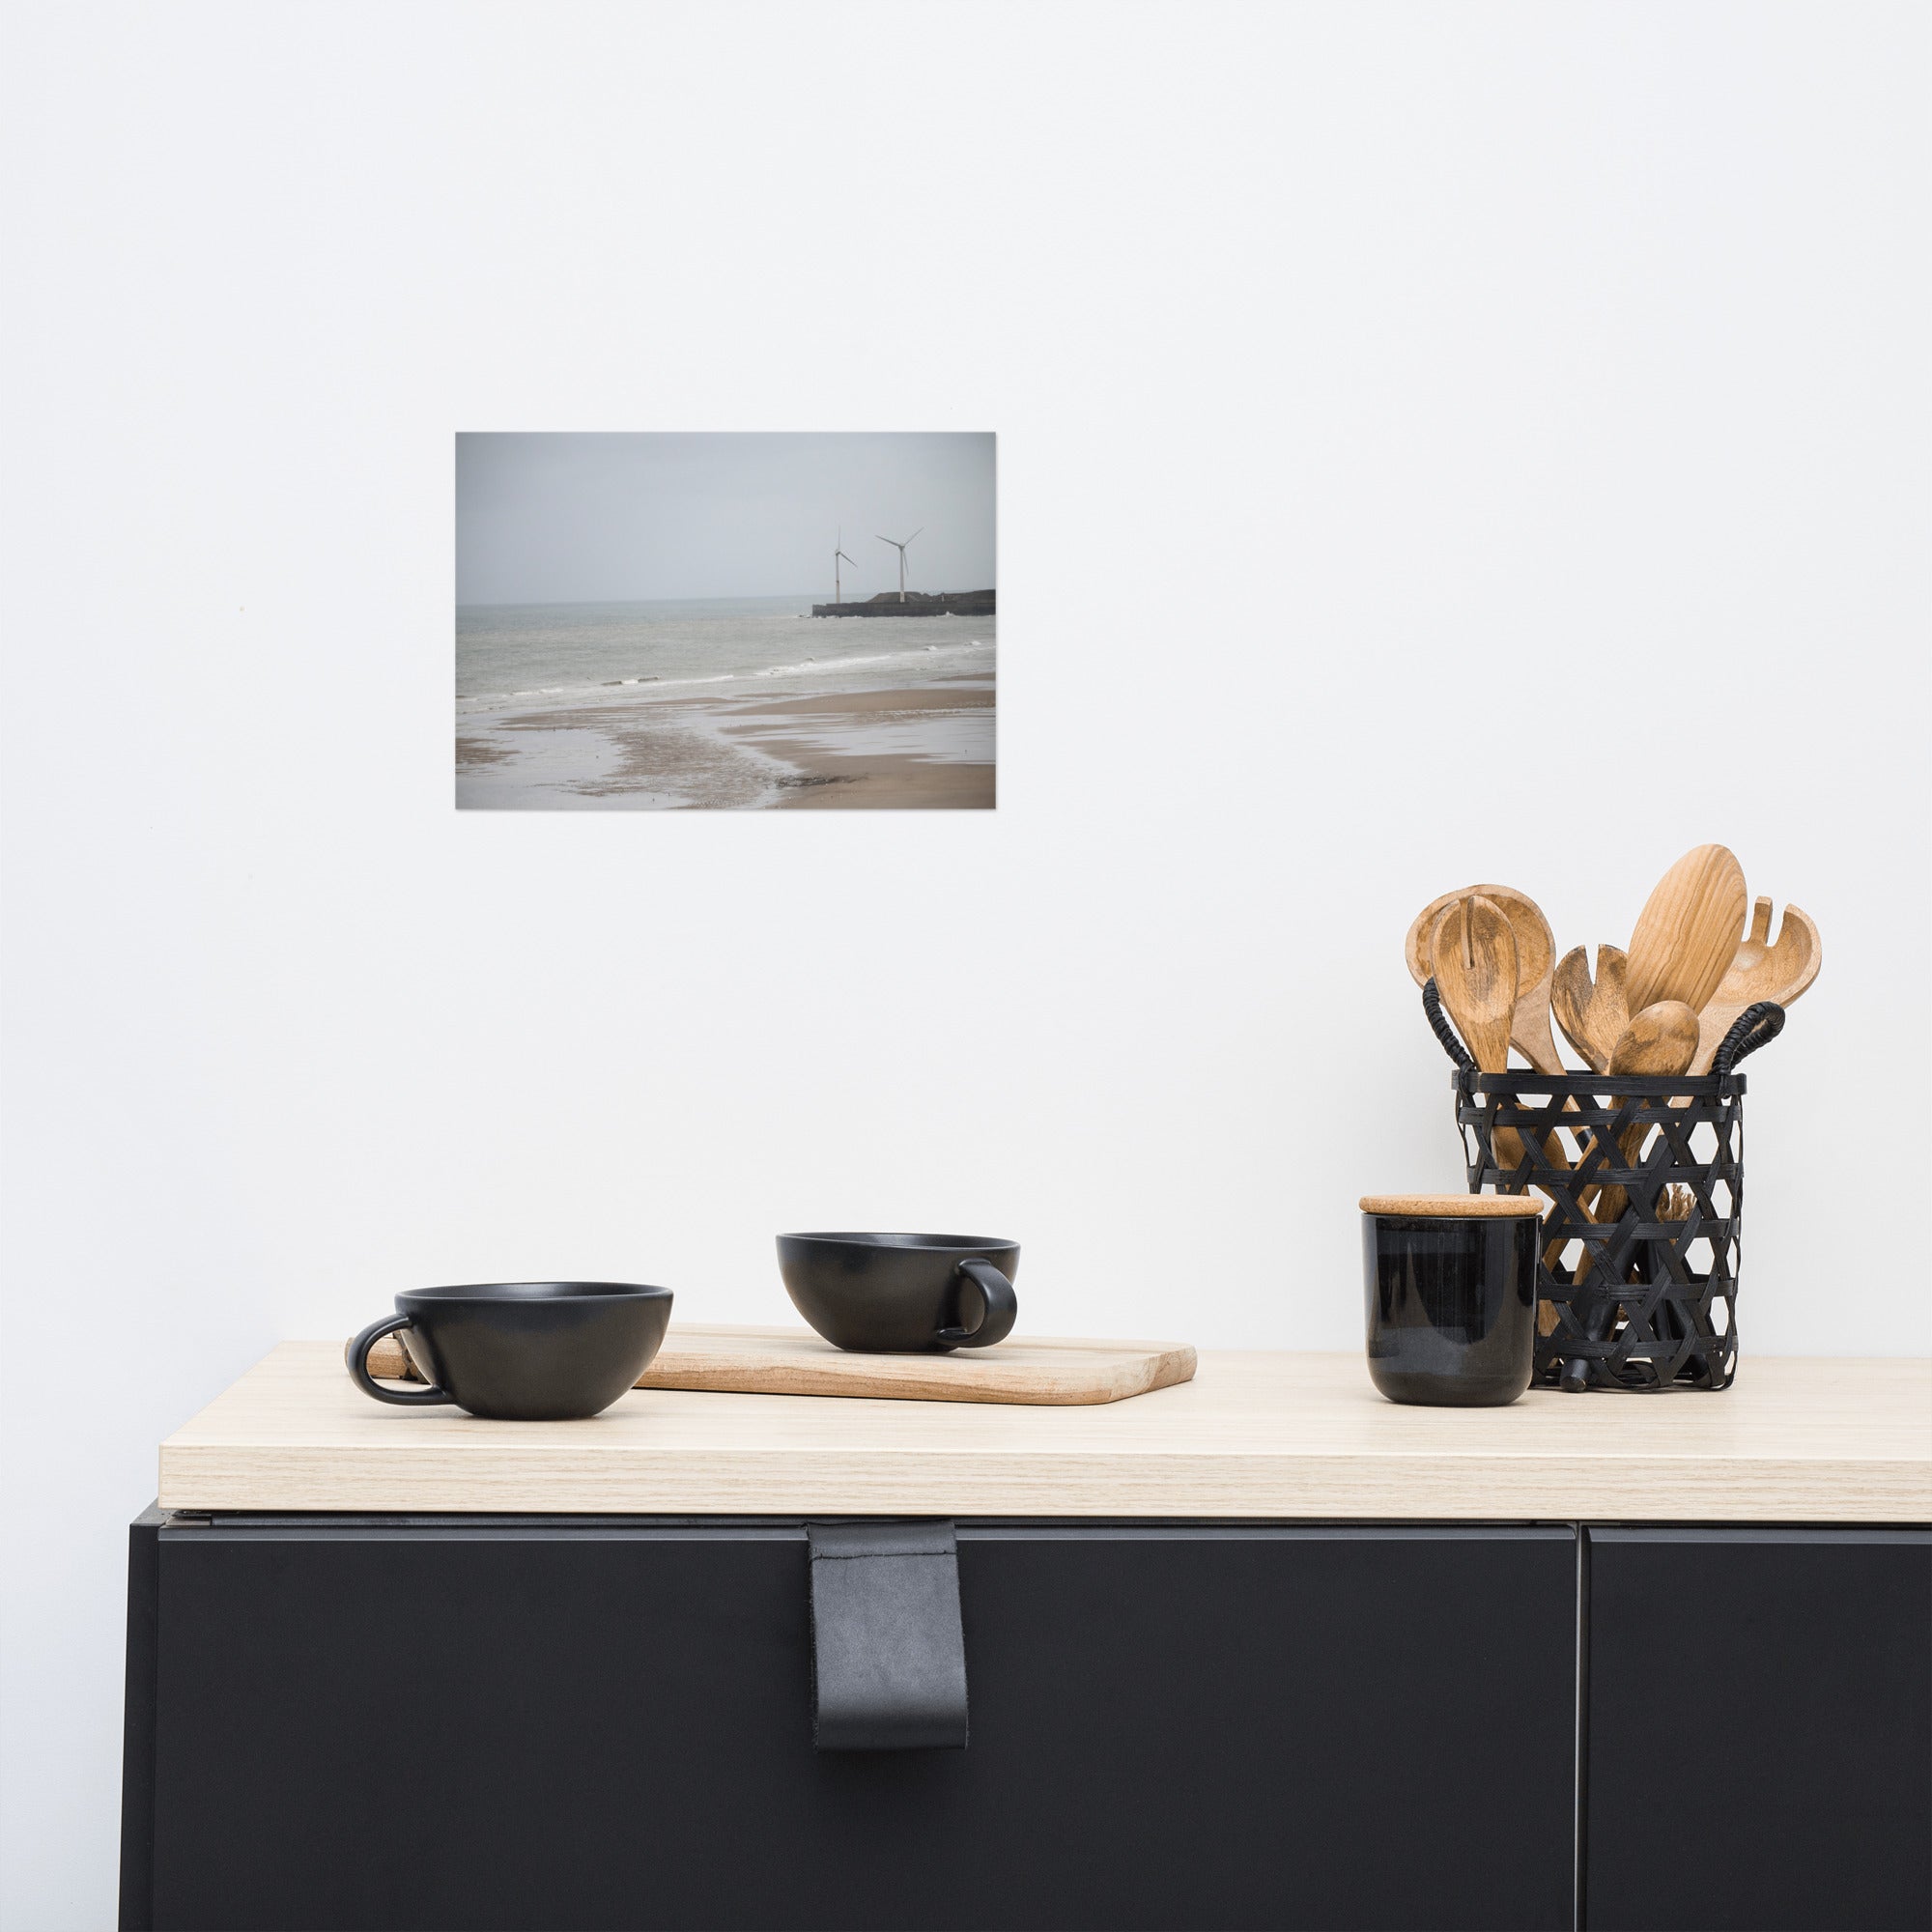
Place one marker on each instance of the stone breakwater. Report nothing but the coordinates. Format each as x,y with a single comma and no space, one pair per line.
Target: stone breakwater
890,603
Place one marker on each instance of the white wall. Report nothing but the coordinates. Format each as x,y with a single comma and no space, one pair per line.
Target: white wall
1435,445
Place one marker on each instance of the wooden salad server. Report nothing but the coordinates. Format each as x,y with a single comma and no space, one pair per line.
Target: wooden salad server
1687,932
1472,957
1759,970
1593,1016
1471,950
1535,960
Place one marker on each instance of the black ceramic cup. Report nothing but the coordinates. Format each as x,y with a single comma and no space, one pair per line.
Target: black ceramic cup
902,1295
520,1351
1450,1282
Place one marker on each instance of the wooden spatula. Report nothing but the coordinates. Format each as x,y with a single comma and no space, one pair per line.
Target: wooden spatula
1759,970
1687,933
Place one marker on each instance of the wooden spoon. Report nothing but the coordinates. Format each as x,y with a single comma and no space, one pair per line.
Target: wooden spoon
1593,1017
1660,1042
1759,970
1687,933
1535,958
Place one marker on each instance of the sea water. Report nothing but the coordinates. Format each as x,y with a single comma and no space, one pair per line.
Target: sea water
538,656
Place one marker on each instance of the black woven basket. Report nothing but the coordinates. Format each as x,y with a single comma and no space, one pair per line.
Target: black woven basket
1643,1302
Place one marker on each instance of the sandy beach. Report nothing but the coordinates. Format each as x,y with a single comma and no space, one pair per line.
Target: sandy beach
727,705
927,747
873,748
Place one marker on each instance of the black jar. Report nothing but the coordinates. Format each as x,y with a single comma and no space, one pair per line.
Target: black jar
1450,1286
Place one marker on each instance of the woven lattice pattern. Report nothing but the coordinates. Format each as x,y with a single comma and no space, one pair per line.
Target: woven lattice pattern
1645,1300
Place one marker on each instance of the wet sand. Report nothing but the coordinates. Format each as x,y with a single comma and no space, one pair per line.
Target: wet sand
919,748
939,695
889,781
845,774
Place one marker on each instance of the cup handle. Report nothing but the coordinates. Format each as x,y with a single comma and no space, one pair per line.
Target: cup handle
1000,1310
356,1357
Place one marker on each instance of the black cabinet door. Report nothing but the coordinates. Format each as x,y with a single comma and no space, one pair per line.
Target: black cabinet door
562,1723
1760,1730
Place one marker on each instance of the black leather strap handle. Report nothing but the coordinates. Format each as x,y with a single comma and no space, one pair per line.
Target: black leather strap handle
888,1651
1755,1027
1438,1021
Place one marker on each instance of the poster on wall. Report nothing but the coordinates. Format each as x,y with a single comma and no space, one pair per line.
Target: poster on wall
743,623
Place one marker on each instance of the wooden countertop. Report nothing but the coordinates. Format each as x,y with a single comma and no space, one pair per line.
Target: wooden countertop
1252,1435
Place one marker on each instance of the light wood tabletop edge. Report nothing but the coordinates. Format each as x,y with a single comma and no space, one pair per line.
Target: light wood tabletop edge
1350,1488
1245,1440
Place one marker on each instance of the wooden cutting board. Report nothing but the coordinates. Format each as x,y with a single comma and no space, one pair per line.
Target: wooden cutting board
794,1361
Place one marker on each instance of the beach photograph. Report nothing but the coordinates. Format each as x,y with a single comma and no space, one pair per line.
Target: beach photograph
730,621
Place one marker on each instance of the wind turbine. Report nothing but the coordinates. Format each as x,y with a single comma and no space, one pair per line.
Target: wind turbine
901,549
837,595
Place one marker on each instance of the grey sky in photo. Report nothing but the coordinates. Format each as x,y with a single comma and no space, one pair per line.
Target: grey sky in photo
566,519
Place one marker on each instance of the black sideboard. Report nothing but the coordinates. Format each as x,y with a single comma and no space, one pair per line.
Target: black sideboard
578,1722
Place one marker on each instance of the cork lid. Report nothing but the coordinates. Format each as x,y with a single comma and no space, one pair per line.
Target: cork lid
1462,1206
